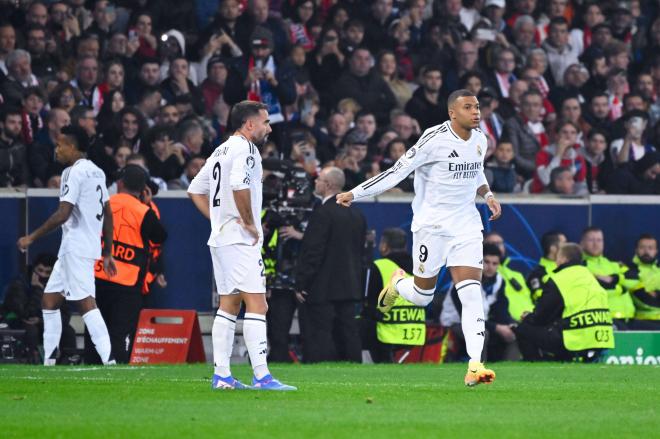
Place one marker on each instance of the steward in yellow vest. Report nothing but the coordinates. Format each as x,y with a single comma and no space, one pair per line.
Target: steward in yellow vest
550,242
572,318
643,281
120,298
610,275
405,323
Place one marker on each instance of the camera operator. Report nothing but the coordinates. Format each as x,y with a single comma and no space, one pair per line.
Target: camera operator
329,275
289,199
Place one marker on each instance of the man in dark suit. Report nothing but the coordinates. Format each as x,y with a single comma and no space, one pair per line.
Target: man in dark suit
329,275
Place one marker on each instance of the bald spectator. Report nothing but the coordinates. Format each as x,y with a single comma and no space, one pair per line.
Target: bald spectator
328,275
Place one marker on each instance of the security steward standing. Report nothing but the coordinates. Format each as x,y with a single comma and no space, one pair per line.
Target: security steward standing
120,298
572,318
610,275
405,323
643,280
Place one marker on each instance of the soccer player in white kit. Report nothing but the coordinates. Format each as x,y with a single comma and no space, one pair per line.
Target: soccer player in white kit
84,214
447,231
228,191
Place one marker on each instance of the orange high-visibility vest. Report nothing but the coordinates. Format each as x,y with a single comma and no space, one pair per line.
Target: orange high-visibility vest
130,253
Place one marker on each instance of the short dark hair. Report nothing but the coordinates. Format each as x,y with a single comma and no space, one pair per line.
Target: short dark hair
395,238
645,236
492,250
78,137
558,20
550,239
134,177
244,110
572,252
45,259
589,230
433,67
147,91
554,174
454,96
34,91
78,112
10,111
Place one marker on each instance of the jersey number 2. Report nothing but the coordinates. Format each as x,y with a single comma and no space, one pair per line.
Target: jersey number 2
216,176
99,216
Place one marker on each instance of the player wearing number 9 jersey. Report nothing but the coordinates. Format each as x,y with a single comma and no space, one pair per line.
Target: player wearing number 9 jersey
84,215
228,191
447,231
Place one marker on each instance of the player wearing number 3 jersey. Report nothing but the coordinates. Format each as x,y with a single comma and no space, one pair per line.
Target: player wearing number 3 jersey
228,191
448,161
83,213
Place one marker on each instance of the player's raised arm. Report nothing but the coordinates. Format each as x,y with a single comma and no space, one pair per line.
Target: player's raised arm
414,157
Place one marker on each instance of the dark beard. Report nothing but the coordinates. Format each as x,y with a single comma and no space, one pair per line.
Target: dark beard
646,259
261,142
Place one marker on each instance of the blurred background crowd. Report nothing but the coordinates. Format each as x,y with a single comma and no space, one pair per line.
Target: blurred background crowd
568,88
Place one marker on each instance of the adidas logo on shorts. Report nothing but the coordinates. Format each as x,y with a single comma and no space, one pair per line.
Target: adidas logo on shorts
453,154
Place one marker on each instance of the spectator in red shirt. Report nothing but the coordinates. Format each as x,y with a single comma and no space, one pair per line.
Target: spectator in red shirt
565,152
594,156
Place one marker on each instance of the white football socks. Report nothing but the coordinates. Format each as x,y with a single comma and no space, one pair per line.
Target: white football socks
222,334
99,334
473,322
52,333
412,293
254,332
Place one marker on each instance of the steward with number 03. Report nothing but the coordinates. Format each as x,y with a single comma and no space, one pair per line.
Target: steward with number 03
572,318
120,298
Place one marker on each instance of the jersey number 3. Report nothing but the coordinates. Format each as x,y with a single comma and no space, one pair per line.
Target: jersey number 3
216,176
99,216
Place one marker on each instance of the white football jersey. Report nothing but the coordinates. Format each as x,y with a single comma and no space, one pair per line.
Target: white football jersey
83,185
233,166
448,172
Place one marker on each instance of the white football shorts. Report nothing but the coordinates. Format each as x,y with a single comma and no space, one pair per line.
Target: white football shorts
73,277
432,251
238,268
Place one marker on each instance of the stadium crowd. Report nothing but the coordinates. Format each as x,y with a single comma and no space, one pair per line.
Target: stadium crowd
568,89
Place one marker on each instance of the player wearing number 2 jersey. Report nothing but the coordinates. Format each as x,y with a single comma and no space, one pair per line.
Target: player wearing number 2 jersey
228,191
447,231
84,215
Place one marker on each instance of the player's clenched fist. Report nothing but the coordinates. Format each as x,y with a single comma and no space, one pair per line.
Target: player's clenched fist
345,198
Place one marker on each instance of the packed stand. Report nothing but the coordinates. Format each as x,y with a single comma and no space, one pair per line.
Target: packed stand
568,90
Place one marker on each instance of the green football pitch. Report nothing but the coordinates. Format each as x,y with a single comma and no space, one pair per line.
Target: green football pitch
334,400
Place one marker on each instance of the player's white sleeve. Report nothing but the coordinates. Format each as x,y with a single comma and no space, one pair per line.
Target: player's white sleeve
70,190
201,183
242,167
414,158
481,179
